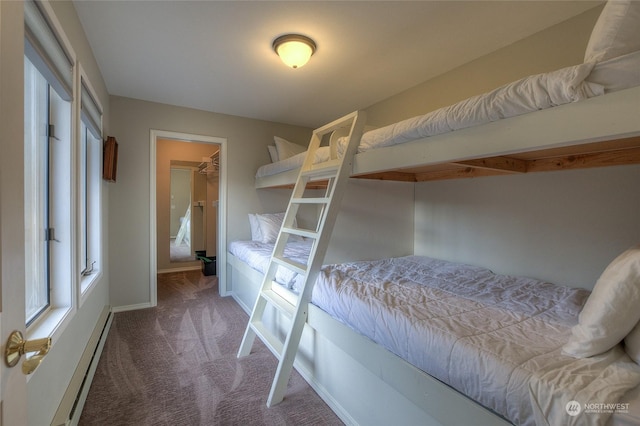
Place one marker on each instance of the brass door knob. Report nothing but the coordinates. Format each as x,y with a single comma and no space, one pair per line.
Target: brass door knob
17,346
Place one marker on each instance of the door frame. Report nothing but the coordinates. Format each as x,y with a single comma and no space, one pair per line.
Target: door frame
154,135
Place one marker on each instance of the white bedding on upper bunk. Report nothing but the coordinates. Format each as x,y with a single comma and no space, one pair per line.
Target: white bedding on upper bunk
529,94
322,154
497,339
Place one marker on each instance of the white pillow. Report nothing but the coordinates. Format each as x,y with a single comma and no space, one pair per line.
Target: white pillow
617,31
632,344
273,153
612,309
287,149
256,233
617,73
270,224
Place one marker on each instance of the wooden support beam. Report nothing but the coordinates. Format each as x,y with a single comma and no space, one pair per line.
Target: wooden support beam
390,175
460,173
598,154
500,164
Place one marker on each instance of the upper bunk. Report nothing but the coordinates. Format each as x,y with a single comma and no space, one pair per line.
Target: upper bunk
577,117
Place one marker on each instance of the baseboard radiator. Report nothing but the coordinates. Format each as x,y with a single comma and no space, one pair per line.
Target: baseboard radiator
70,408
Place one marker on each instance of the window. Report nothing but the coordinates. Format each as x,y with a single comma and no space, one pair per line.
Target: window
90,155
48,79
36,191
47,190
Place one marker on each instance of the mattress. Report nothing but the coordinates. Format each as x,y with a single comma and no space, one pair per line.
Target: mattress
495,338
322,154
533,93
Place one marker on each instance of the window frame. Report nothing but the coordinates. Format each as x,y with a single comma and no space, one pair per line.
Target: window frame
89,192
63,302
36,98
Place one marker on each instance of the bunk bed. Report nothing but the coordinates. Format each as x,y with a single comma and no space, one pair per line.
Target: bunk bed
500,340
595,123
599,131
576,117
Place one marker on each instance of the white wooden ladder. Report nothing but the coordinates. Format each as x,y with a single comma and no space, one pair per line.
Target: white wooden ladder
336,170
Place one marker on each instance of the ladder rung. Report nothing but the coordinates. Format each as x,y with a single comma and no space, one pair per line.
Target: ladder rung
282,304
301,232
310,200
268,338
294,266
328,169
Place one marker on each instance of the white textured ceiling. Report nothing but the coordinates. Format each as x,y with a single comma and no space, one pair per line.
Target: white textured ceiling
217,56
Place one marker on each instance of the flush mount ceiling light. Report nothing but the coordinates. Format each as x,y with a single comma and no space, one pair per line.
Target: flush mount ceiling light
294,49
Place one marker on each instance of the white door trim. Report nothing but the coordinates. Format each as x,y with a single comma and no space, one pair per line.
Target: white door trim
222,208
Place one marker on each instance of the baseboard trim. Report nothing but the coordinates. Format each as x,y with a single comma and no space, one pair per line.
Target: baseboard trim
70,408
240,302
180,269
324,394
135,307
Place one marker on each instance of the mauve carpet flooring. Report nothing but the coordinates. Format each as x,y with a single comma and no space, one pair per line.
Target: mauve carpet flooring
176,365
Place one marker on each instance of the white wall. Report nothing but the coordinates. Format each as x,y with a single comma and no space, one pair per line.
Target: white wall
564,227
131,123
375,221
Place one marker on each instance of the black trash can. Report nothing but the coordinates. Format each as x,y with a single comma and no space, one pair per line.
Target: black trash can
208,265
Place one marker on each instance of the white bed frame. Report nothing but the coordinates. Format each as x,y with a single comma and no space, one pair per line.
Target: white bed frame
603,130
362,382
365,384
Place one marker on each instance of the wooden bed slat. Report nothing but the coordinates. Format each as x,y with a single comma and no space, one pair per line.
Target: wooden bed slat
502,164
598,154
601,159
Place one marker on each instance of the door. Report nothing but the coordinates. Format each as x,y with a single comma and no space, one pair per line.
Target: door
13,384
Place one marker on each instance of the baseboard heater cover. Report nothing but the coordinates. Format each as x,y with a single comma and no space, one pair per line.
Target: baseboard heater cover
70,408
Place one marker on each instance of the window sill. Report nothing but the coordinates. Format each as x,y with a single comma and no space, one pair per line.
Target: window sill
51,324
88,283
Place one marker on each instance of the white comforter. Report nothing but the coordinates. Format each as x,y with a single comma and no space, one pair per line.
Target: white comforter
529,94
495,338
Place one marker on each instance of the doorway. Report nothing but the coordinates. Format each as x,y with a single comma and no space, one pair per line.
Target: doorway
194,216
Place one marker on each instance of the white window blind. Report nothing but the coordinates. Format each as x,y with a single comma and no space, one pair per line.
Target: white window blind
91,114
45,51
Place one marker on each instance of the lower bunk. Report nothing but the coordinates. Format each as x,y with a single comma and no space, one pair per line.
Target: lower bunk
412,338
